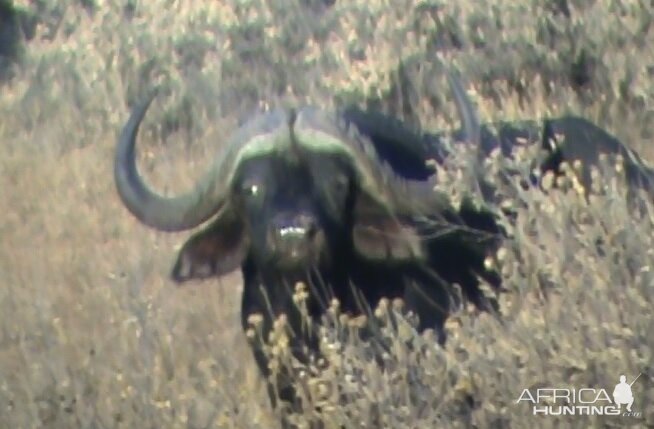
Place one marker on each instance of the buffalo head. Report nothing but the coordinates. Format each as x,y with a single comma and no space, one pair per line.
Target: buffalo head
288,192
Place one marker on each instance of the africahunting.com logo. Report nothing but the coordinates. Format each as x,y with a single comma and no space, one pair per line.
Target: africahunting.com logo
551,401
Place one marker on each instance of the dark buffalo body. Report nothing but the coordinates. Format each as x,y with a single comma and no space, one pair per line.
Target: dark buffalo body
344,203
314,197
563,139
569,139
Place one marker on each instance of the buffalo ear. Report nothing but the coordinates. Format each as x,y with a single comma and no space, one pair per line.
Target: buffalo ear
214,251
379,236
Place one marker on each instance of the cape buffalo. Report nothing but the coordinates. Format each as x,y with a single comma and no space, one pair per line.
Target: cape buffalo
316,197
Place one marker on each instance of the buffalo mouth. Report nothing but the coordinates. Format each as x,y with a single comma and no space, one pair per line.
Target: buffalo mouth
296,248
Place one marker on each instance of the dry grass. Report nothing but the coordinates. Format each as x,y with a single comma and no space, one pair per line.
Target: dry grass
93,334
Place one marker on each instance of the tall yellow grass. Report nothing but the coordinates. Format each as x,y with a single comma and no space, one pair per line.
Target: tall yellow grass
92,332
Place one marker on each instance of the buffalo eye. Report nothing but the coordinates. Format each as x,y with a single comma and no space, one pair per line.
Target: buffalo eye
252,190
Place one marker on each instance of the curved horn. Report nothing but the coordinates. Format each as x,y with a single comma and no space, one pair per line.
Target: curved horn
467,112
260,135
471,130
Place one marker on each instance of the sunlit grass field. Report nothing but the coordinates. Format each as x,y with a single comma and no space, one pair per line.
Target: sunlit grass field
93,334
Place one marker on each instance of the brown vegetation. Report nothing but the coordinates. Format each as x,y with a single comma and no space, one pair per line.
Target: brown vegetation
92,332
